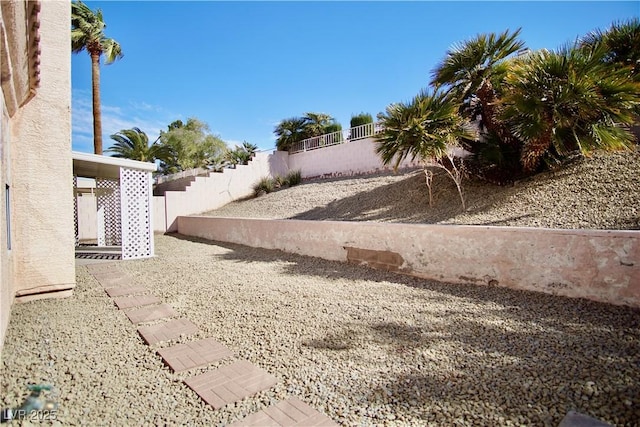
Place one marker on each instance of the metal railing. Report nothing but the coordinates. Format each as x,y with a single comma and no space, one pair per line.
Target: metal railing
335,138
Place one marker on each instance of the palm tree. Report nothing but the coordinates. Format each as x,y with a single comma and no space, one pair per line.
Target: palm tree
427,128
289,131
569,100
87,33
318,124
471,70
622,41
134,144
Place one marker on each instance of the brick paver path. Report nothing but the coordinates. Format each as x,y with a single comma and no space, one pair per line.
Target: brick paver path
167,331
147,314
136,301
125,290
290,413
115,281
102,267
230,383
193,354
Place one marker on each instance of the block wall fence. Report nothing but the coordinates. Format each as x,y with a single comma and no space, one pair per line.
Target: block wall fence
593,264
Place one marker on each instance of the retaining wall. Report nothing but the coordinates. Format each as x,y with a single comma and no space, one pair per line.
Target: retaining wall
598,265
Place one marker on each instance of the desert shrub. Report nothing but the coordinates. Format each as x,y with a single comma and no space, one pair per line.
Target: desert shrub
280,181
264,186
294,177
361,119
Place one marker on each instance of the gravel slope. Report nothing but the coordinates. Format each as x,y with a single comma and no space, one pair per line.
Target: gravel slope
601,192
365,347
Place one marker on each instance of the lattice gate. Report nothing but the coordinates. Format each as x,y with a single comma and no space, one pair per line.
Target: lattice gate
135,206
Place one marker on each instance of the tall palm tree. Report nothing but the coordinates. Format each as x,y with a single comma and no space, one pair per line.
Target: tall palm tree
470,71
87,33
427,128
568,100
134,144
318,124
289,131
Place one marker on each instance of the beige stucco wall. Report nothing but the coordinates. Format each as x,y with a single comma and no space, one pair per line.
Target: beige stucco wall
42,190
350,158
598,265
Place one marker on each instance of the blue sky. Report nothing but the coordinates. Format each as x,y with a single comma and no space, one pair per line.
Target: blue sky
244,66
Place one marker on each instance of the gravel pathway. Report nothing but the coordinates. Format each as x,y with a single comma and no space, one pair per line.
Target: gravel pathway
363,346
601,192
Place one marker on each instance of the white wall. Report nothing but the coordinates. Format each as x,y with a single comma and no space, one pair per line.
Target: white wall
350,158
87,217
218,189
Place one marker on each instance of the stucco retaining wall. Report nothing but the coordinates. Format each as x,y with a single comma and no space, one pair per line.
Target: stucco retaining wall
598,265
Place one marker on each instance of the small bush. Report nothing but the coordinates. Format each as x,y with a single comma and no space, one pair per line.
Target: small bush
264,186
294,177
360,119
280,181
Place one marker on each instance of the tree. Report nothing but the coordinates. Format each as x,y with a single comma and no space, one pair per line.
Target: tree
471,71
134,144
569,100
295,129
240,155
87,33
622,42
427,128
289,131
192,146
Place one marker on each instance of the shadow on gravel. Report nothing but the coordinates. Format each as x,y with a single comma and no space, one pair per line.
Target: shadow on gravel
408,201
544,309
520,356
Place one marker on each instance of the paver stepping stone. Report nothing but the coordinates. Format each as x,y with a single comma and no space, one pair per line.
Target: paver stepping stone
117,291
102,267
135,301
230,383
115,281
291,412
166,331
193,354
149,313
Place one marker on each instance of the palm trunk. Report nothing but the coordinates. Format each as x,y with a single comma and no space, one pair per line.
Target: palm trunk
97,115
534,150
487,97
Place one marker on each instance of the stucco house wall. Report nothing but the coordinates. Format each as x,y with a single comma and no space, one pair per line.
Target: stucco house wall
36,153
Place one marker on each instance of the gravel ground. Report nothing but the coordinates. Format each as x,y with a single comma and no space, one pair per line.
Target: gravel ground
365,347
601,192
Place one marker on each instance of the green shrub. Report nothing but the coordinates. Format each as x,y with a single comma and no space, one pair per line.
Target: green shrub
361,119
294,177
264,186
280,181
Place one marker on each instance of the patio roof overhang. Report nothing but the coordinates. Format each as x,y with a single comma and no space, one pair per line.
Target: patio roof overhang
93,165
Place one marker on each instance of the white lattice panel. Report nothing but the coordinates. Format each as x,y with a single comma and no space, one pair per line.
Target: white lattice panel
109,215
75,208
137,236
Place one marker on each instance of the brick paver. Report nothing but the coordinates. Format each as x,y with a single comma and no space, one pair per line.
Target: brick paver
115,281
230,383
193,354
103,267
290,413
166,331
117,291
135,301
149,313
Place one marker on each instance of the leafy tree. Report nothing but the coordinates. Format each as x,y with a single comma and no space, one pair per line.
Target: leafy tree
569,100
87,33
192,146
134,144
427,128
